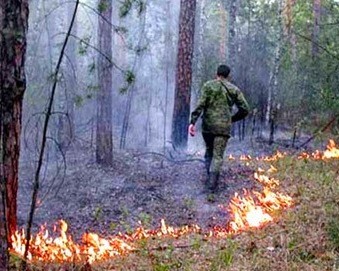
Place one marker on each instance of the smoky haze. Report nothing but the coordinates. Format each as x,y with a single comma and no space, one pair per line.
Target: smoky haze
270,57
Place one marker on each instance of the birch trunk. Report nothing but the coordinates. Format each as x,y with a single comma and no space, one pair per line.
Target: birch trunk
273,78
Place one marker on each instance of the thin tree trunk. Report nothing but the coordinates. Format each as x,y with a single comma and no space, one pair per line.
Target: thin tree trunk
232,32
223,32
316,26
104,136
13,29
288,29
36,183
273,79
183,78
199,45
167,56
131,88
125,122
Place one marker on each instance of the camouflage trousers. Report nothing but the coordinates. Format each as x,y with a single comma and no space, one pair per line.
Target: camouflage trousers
214,155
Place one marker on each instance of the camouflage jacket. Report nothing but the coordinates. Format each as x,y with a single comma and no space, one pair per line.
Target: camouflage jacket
216,104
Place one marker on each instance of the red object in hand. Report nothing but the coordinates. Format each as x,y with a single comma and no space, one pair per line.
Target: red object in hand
191,130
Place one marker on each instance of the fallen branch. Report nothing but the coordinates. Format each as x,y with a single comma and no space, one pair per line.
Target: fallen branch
170,159
317,131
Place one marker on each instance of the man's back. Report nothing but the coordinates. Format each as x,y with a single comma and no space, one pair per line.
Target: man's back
218,97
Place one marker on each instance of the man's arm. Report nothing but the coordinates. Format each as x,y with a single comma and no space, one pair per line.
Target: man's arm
198,110
242,105
200,106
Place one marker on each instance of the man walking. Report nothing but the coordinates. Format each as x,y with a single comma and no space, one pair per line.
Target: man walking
216,101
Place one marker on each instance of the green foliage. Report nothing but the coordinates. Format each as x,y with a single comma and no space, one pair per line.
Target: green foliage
103,5
129,77
78,100
97,213
333,231
211,197
196,243
161,267
189,203
141,6
84,45
112,226
145,219
125,8
121,29
140,49
127,5
123,90
224,257
91,67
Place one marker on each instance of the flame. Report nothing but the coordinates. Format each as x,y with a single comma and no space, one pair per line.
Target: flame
252,209
247,157
331,152
63,249
231,157
246,213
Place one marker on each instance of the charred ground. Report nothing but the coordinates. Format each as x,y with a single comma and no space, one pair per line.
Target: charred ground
140,186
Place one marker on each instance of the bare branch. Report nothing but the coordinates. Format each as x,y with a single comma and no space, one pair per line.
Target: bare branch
317,44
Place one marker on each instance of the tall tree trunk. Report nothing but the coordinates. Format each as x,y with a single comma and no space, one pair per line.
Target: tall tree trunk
288,29
273,79
232,32
223,32
167,57
272,107
199,45
316,26
104,136
138,62
13,29
183,78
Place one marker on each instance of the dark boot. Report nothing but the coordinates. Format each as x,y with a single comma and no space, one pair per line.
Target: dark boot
213,181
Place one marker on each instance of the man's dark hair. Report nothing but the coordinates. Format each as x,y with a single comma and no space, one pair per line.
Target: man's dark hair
223,70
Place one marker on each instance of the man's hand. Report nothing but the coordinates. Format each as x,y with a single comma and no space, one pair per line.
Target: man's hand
191,130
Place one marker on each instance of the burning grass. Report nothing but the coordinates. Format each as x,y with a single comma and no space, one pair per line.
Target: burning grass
260,235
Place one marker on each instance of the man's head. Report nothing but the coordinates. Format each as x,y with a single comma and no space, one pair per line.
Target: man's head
223,71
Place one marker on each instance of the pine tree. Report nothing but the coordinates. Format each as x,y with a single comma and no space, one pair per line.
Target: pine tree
183,78
13,29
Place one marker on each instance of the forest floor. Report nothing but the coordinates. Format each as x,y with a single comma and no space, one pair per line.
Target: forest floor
140,186
147,187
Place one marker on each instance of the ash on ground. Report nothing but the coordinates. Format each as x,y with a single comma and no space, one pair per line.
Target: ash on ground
140,186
